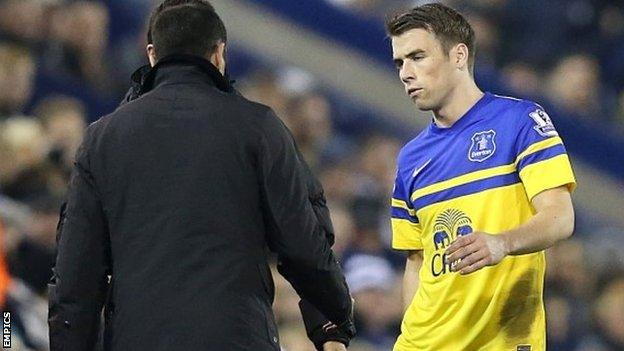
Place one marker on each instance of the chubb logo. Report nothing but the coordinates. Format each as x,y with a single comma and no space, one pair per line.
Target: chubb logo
449,225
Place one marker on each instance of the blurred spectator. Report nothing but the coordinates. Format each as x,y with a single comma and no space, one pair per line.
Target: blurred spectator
569,269
487,38
338,182
538,34
605,249
344,228
378,164
575,85
611,50
33,258
30,177
309,119
23,21
78,41
295,81
369,204
17,69
367,211
376,289
64,119
561,327
522,78
16,218
609,312
262,86
27,148
612,20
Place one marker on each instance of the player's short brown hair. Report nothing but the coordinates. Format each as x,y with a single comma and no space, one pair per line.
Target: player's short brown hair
448,25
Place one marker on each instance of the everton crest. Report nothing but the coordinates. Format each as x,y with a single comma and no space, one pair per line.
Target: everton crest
483,146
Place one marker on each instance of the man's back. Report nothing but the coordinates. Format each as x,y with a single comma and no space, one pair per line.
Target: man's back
175,171
177,196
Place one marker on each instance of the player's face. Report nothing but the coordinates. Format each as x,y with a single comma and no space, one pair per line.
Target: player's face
424,68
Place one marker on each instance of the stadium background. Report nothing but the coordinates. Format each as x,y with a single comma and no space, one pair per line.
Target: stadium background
325,67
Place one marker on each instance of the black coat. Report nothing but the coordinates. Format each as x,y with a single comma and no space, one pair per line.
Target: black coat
176,196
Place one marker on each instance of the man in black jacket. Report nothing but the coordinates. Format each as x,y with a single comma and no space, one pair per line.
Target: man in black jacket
176,196
320,330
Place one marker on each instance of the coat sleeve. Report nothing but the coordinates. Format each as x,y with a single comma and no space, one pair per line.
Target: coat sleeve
316,195
294,232
79,283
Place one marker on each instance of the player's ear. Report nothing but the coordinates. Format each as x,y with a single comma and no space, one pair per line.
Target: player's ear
151,54
459,56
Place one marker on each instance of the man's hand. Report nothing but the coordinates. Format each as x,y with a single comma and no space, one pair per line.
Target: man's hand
334,346
472,252
324,334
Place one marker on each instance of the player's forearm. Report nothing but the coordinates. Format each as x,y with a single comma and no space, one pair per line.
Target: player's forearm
411,278
547,227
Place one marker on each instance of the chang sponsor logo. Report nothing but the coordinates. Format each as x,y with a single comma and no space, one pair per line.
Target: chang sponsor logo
449,225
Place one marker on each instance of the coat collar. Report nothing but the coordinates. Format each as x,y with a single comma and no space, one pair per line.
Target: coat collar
179,68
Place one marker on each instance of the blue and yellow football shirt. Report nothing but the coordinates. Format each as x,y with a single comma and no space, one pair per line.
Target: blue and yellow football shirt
478,175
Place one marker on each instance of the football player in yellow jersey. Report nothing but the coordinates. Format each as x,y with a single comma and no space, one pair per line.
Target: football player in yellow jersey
479,195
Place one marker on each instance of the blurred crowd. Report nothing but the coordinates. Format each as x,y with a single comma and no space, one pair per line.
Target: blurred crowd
569,51
64,63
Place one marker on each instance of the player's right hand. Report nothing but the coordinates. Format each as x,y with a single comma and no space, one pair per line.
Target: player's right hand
472,252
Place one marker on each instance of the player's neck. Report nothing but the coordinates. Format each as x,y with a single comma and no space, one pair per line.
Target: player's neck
461,99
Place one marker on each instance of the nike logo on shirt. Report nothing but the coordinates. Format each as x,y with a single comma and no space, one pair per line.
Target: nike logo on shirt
417,170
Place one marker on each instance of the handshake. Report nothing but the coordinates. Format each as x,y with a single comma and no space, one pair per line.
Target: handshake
325,335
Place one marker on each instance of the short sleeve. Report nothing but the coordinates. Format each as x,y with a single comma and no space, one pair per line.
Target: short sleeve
542,160
406,229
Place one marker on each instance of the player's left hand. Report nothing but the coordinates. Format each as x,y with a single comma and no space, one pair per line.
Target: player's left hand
470,253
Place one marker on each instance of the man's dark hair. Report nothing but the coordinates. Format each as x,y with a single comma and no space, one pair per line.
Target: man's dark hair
187,29
168,4
448,25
